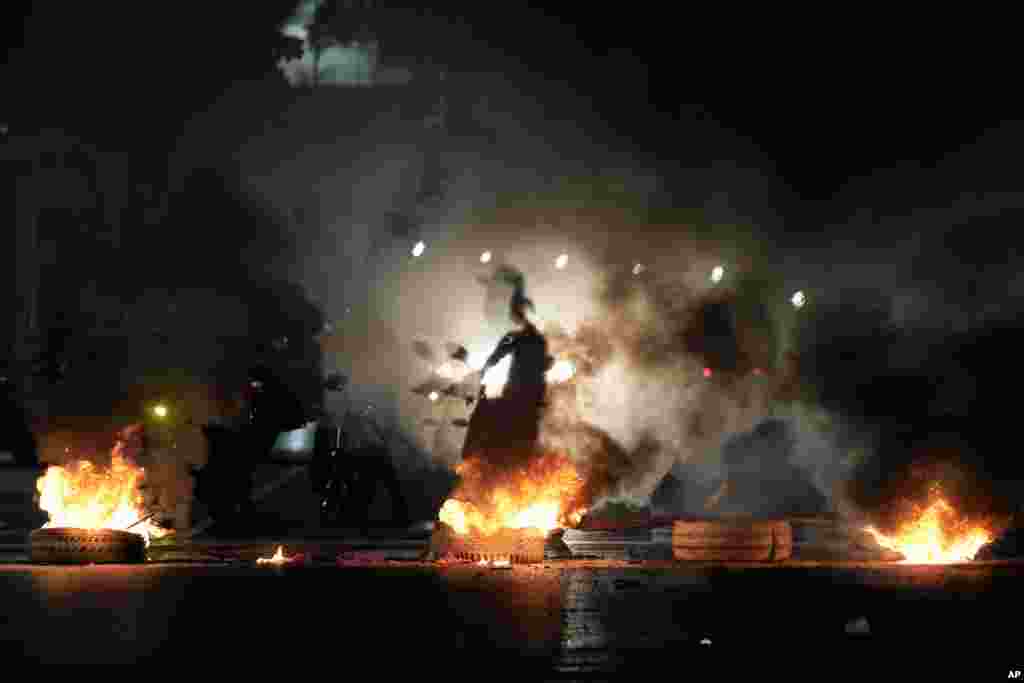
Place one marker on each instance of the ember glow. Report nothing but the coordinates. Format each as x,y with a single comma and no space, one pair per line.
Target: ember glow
537,498
86,496
935,535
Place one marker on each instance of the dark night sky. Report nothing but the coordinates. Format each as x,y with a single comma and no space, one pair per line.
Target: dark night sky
821,106
819,99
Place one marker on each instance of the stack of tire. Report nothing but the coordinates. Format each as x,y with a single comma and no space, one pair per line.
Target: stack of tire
608,544
732,540
86,546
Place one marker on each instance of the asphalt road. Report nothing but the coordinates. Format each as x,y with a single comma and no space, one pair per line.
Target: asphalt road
548,621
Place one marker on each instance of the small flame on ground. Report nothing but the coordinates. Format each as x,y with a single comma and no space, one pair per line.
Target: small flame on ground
936,535
278,558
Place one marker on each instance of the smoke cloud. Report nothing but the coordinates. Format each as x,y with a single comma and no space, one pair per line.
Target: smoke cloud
904,348
521,178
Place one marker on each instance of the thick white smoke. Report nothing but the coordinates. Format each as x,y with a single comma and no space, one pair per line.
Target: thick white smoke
637,270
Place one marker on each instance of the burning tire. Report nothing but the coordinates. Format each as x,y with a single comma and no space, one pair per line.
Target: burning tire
86,546
732,541
510,544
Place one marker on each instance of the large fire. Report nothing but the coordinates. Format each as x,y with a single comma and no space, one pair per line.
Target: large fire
936,534
86,496
536,497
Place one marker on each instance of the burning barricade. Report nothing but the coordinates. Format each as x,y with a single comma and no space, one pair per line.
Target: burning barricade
504,515
96,512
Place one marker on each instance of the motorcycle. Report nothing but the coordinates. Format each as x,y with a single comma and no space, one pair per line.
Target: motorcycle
225,483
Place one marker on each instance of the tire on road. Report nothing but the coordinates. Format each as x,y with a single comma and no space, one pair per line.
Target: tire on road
86,546
732,540
517,546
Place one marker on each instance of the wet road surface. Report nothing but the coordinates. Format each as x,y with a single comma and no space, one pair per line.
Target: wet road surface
548,621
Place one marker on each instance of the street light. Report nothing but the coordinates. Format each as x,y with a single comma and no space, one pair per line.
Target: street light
799,300
160,410
419,249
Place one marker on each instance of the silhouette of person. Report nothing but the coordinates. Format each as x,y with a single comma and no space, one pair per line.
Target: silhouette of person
511,423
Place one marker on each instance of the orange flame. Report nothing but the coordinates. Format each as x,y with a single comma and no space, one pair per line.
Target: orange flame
278,558
936,535
84,496
538,497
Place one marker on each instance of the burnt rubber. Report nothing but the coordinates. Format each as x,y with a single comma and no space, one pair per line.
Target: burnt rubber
734,540
512,544
86,546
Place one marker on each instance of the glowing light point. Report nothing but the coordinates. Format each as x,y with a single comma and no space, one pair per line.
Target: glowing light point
561,371
434,396
485,257
717,273
562,261
707,372
638,268
419,249
799,300
160,410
